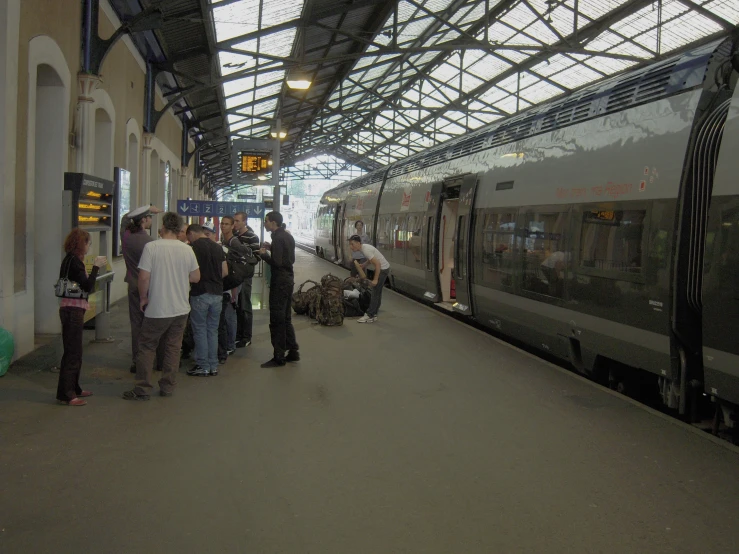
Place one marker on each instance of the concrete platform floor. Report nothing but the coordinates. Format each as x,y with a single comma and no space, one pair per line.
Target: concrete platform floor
416,434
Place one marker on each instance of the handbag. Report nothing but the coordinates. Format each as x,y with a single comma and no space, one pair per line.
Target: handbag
65,288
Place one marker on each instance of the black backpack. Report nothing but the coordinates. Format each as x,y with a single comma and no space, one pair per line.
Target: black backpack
239,267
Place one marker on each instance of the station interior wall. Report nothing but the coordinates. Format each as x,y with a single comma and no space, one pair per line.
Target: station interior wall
55,120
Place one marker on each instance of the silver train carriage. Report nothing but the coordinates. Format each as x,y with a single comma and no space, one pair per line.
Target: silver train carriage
591,227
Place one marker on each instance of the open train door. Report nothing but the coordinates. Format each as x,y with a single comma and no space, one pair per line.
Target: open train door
429,254
463,247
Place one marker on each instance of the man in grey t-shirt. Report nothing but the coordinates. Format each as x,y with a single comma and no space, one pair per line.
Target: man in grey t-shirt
166,269
135,236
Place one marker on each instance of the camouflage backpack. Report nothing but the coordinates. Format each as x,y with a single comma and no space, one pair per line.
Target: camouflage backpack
330,302
302,299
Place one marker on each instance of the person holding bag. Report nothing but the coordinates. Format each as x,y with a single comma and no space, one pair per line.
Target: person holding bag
73,288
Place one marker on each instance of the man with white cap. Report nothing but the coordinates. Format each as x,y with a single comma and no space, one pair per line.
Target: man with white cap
134,237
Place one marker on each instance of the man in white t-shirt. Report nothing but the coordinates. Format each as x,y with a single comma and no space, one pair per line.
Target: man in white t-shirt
382,270
166,269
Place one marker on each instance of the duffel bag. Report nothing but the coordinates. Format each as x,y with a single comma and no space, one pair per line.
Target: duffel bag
301,298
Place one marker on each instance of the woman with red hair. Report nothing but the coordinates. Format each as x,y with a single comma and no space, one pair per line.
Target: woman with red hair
72,313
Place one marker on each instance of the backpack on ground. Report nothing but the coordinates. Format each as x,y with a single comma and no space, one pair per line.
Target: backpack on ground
303,298
330,302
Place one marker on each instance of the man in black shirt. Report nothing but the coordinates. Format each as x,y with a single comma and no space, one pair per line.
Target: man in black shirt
205,301
244,313
281,260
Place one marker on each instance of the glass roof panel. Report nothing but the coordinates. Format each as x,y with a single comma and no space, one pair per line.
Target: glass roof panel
487,67
464,18
575,76
413,30
728,9
231,62
239,99
232,20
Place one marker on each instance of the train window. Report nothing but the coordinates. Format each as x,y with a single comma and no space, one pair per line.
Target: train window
544,258
413,243
383,233
497,264
611,240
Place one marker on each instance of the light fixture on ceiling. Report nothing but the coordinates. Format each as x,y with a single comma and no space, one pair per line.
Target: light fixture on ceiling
274,133
298,80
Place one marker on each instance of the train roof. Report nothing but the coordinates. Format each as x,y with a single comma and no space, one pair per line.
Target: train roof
646,84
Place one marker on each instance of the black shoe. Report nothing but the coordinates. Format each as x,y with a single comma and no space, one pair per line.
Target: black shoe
132,369
131,395
229,352
273,363
222,360
213,373
243,343
165,393
292,356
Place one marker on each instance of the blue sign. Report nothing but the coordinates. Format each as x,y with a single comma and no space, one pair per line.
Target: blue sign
207,208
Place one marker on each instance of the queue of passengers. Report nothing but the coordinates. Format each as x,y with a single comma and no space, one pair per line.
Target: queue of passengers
182,296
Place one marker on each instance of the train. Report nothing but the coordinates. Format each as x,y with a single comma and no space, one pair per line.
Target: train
601,228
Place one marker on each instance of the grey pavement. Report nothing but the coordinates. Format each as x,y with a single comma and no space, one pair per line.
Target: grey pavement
415,434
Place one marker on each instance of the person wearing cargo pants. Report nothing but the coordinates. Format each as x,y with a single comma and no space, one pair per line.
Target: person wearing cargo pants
166,269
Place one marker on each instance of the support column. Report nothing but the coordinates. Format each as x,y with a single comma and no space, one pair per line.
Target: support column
85,122
9,37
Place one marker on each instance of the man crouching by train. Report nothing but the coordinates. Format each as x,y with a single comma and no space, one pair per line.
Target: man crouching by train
382,270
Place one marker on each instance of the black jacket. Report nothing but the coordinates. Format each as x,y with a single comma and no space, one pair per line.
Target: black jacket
77,272
282,255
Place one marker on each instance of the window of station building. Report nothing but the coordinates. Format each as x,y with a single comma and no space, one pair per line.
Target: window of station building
611,240
497,263
167,190
545,259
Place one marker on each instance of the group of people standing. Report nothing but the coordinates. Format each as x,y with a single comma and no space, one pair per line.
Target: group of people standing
176,283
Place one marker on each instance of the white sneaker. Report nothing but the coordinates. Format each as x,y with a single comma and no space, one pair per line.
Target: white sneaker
366,319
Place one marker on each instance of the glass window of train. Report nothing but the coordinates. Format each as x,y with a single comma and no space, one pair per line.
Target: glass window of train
721,264
545,259
497,264
611,240
383,232
413,245
429,241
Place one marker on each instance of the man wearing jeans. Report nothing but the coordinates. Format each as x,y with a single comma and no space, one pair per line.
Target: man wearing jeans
166,269
382,270
205,301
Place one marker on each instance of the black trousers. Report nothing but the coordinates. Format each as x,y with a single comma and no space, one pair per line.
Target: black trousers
244,313
69,371
281,328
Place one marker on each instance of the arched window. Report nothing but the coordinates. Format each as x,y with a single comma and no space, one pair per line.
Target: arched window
167,191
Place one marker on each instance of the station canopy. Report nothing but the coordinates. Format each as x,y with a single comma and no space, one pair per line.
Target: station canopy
388,79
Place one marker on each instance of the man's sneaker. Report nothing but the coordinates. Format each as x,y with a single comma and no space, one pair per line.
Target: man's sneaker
198,371
164,393
222,360
213,373
292,356
367,319
131,395
243,343
229,352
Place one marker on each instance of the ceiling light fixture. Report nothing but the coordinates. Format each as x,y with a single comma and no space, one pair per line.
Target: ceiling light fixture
298,80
